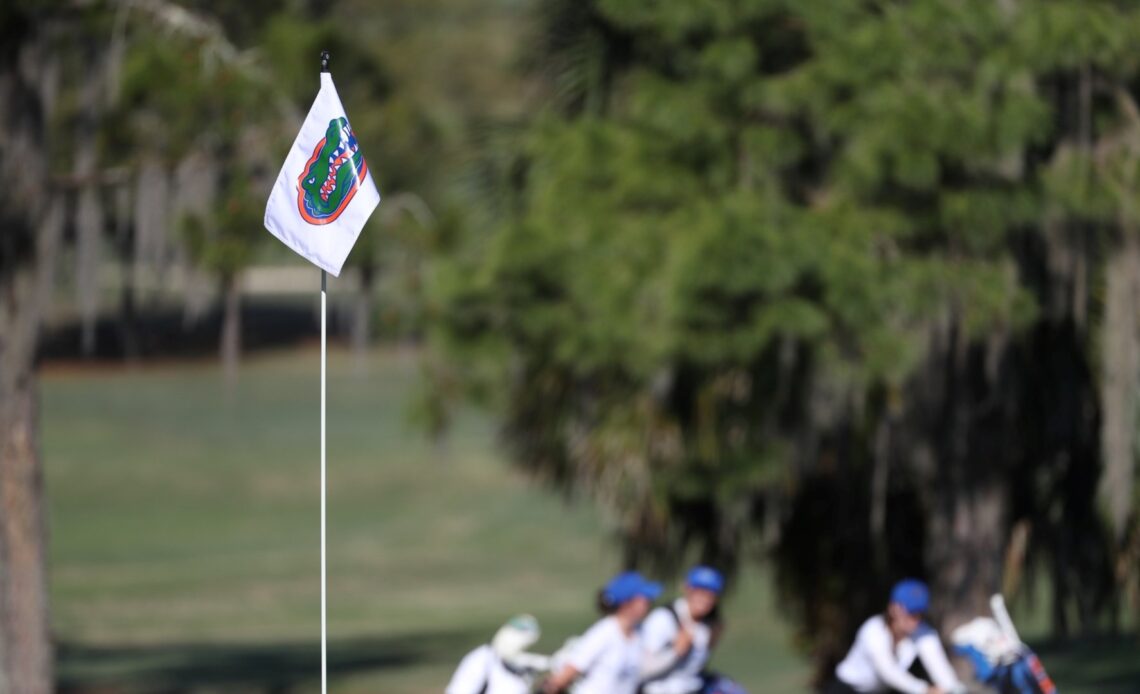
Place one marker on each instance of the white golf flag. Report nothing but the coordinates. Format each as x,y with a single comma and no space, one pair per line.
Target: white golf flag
324,193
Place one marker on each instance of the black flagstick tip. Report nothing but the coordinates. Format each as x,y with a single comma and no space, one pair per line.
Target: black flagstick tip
324,61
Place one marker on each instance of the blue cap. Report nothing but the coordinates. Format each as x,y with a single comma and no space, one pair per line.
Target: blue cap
629,585
707,578
912,594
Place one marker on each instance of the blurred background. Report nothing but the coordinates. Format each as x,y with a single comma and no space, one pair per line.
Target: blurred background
823,292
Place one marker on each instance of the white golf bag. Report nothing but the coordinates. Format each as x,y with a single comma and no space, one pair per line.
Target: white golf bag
999,657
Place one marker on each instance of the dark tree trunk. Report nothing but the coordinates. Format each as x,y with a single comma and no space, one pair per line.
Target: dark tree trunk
880,478
967,538
231,329
968,488
128,308
362,317
967,533
89,207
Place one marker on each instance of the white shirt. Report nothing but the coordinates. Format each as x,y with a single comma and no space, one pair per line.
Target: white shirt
482,667
659,631
610,661
873,665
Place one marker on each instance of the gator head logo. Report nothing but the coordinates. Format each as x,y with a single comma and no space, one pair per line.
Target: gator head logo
332,175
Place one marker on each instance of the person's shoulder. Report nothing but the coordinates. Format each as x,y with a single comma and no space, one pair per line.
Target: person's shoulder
601,635
667,612
874,628
479,653
603,628
661,619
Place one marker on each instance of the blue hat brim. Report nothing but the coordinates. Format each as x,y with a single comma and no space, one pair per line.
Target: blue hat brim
705,578
651,590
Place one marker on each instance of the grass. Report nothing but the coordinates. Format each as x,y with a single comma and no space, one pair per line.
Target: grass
185,539
185,535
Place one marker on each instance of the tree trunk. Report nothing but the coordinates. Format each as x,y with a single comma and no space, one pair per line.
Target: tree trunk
26,656
23,583
362,318
30,230
880,473
231,329
1120,376
128,315
152,220
89,207
968,489
965,552
89,222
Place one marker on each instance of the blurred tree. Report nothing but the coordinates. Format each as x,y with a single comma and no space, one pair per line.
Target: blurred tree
223,243
180,105
822,274
420,75
31,224
59,74
398,236
134,119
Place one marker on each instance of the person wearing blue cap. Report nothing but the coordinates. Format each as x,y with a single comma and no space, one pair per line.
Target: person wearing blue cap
887,645
608,658
679,639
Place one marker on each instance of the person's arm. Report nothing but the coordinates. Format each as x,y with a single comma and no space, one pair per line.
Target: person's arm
471,675
560,680
934,659
665,641
581,657
887,668
656,664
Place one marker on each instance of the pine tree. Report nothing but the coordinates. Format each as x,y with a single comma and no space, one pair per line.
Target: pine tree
818,272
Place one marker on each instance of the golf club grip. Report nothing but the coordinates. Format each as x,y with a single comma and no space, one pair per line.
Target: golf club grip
1001,614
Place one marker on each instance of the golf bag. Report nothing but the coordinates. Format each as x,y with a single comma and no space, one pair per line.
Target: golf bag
999,658
715,684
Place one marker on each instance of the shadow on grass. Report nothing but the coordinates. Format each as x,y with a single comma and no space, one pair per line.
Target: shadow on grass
269,668
1102,664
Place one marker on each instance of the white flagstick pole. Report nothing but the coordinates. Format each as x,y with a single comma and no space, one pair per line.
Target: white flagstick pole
324,595
324,639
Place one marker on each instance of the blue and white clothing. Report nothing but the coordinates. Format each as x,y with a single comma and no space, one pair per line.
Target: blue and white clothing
609,660
659,631
876,664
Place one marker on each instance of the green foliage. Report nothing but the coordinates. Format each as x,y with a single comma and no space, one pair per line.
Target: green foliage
736,225
174,98
224,242
675,230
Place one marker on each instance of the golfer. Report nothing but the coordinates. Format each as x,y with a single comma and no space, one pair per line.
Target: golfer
692,622
608,657
887,645
498,667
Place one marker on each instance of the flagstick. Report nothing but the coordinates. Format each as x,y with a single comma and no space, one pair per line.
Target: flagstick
324,604
287,219
324,596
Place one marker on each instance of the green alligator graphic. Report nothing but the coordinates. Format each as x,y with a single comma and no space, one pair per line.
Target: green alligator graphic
332,176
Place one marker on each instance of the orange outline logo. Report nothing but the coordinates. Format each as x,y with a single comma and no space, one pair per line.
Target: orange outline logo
346,157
